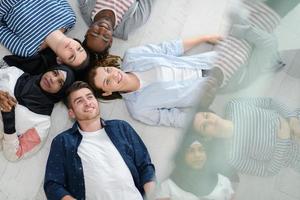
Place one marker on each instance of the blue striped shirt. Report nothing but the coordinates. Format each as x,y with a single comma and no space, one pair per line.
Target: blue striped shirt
26,23
256,149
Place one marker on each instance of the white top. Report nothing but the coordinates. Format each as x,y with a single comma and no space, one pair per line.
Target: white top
31,128
106,174
161,73
222,191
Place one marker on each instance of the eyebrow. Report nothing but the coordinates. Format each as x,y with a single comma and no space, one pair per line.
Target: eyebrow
88,94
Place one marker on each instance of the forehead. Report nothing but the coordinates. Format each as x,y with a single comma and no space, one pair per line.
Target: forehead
99,77
80,93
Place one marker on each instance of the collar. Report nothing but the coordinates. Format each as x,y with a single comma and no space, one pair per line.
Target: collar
75,126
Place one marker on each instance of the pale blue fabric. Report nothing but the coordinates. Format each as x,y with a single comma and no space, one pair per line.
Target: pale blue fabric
162,103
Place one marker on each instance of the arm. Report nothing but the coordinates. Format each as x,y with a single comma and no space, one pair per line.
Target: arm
142,160
174,48
66,5
192,42
149,189
55,172
263,102
172,117
12,42
18,146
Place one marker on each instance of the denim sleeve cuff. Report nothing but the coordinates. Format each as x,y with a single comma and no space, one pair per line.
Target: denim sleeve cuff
148,175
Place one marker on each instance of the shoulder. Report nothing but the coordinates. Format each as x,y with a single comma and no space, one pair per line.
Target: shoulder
65,136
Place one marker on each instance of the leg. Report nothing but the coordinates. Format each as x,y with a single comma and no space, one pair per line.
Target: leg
282,7
134,19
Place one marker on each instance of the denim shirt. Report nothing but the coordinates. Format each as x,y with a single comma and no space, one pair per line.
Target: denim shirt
64,172
163,102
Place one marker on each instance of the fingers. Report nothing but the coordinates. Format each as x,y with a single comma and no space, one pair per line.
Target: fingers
6,102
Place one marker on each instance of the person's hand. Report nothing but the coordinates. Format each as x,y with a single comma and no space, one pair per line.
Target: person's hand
294,123
213,38
284,131
6,101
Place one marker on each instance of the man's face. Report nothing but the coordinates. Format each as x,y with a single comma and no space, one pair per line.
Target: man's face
99,36
83,105
70,52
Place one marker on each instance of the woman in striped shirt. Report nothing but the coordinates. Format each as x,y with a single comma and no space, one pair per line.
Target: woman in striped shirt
27,27
262,135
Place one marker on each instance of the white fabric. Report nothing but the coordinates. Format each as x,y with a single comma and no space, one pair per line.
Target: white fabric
24,119
106,175
222,191
161,73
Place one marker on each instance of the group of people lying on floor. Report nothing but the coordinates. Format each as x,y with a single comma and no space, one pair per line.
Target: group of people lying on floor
106,159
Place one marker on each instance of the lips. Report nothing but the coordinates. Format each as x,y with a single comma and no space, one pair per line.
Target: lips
46,82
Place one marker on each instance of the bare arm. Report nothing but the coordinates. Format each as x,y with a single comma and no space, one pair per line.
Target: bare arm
192,42
68,197
149,188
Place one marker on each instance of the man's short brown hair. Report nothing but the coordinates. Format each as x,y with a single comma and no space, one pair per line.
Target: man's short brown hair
77,85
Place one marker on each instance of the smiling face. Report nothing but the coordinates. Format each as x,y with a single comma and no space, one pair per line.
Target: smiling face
83,105
195,156
99,36
111,79
70,52
53,81
209,124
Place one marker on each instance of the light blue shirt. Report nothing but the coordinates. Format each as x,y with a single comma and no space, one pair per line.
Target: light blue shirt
162,103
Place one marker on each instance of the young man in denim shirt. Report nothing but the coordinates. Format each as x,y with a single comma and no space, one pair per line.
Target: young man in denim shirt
97,159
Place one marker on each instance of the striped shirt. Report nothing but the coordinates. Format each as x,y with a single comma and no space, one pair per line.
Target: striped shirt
234,53
25,24
255,148
119,7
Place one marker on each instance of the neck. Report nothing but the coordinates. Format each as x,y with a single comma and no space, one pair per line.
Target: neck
91,125
227,129
54,38
133,82
106,14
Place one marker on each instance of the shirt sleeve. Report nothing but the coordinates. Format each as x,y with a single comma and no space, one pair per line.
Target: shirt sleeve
255,167
172,117
17,146
66,5
142,158
174,48
55,172
265,103
14,43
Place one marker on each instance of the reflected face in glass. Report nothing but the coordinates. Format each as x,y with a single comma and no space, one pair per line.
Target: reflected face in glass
53,81
99,36
209,124
195,156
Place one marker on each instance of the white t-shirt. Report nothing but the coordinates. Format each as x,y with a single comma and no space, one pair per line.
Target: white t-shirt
106,175
157,74
222,191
